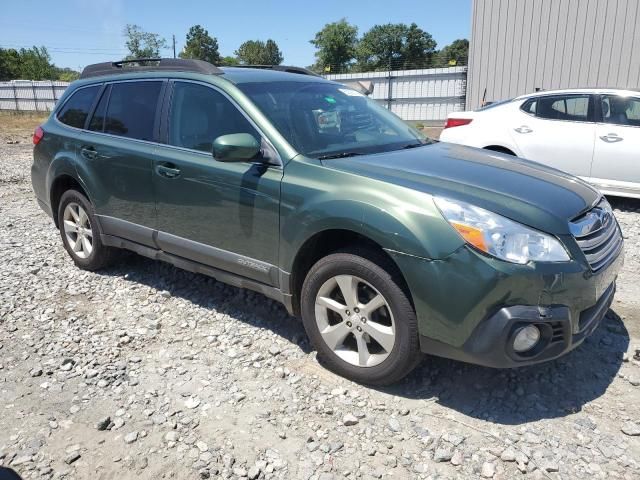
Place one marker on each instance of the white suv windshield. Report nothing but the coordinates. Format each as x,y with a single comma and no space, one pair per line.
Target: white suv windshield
327,120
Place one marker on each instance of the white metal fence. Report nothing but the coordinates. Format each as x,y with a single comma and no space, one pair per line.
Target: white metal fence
30,95
426,95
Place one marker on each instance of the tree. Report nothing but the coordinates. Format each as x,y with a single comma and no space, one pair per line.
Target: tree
229,61
142,44
257,52
395,46
9,64
31,64
67,74
200,45
419,47
457,51
336,44
273,55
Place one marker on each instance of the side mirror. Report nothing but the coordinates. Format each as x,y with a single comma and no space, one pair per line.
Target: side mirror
236,147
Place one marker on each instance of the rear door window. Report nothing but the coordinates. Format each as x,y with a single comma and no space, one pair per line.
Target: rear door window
131,109
564,107
74,112
619,110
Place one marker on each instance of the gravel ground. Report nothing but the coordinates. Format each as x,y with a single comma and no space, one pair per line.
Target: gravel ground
146,371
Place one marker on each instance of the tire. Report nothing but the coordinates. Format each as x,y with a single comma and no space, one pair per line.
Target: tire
389,332
76,219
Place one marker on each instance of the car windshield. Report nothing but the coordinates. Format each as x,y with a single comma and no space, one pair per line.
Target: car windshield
327,120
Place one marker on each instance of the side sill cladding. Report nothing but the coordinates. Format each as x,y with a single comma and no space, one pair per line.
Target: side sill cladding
226,277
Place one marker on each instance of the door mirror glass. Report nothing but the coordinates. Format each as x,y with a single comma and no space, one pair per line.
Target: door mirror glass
235,147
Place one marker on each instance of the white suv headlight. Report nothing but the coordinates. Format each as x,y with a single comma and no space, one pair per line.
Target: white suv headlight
498,236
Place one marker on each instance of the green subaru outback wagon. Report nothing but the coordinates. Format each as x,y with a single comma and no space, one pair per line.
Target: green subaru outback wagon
385,243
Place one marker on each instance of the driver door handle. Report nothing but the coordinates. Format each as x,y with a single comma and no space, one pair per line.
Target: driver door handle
167,170
611,138
523,129
88,152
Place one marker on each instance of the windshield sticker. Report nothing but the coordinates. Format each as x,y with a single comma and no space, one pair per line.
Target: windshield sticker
350,93
330,99
327,120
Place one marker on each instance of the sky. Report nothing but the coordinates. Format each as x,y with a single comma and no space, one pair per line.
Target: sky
78,32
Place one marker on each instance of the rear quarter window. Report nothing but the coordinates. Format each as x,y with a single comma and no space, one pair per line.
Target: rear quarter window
75,111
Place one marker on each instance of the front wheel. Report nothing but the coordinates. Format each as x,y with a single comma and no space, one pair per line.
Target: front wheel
359,319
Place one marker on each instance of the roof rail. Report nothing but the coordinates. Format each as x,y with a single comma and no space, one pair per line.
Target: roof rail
150,65
282,68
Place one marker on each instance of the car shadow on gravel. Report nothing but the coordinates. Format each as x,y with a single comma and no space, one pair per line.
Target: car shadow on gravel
515,396
505,396
250,307
625,204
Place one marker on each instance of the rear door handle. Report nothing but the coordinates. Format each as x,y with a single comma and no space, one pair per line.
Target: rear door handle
168,170
88,152
611,138
523,129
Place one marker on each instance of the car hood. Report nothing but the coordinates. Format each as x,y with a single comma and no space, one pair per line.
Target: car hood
524,191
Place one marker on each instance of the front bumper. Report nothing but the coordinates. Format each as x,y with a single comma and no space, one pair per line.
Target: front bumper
468,305
490,343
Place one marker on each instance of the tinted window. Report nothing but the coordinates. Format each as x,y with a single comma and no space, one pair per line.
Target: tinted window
529,106
574,108
200,114
132,108
621,110
75,111
97,120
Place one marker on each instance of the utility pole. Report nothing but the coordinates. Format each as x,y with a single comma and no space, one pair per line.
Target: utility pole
174,46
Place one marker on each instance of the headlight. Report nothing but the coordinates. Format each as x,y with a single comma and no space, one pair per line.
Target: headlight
499,236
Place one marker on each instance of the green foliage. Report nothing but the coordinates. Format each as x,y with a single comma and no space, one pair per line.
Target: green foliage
67,74
457,52
9,64
27,64
142,44
200,45
395,46
229,61
257,52
336,44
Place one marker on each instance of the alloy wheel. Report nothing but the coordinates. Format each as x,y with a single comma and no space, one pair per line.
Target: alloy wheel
77,229
355,320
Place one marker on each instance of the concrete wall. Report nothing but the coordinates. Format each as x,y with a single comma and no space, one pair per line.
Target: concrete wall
426,95
520,45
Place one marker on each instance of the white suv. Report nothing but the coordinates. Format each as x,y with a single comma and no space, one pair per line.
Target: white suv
591,133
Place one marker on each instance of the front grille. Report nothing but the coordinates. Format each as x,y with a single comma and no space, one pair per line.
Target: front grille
598,235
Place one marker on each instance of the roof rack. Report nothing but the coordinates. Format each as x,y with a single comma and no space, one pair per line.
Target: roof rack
150,65
282,68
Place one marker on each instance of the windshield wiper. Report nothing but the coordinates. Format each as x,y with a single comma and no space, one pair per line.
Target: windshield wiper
415,145
338,155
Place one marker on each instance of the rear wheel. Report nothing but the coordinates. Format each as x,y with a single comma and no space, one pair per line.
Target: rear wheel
359,319
80,232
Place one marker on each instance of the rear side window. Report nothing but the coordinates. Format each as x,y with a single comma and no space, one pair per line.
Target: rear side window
530,106
572,108
74,112
97,120
201,114
130,110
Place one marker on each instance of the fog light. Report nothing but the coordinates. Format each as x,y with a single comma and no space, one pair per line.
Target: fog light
526,338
